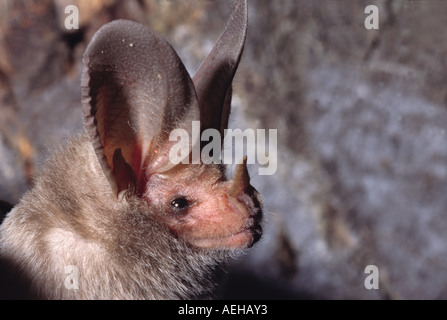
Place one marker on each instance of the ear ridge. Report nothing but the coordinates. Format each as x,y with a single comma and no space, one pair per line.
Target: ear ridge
213,79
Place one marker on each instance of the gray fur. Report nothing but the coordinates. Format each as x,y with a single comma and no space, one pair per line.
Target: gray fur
121,253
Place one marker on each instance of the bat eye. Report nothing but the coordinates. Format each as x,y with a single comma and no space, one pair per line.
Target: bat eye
179,204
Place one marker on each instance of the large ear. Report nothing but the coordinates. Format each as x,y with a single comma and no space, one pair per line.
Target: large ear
135,90
213,79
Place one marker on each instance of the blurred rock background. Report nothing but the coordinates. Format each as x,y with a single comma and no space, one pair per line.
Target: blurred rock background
361,118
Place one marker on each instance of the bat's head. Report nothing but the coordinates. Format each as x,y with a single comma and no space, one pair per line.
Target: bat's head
205,209
136,91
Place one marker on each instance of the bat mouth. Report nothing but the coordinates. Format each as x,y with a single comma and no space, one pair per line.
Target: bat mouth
252,234
243,238
248,235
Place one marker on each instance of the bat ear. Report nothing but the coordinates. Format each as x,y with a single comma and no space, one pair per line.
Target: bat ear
213,79
135,91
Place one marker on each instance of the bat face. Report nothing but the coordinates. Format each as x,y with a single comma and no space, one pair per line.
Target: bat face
212,214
